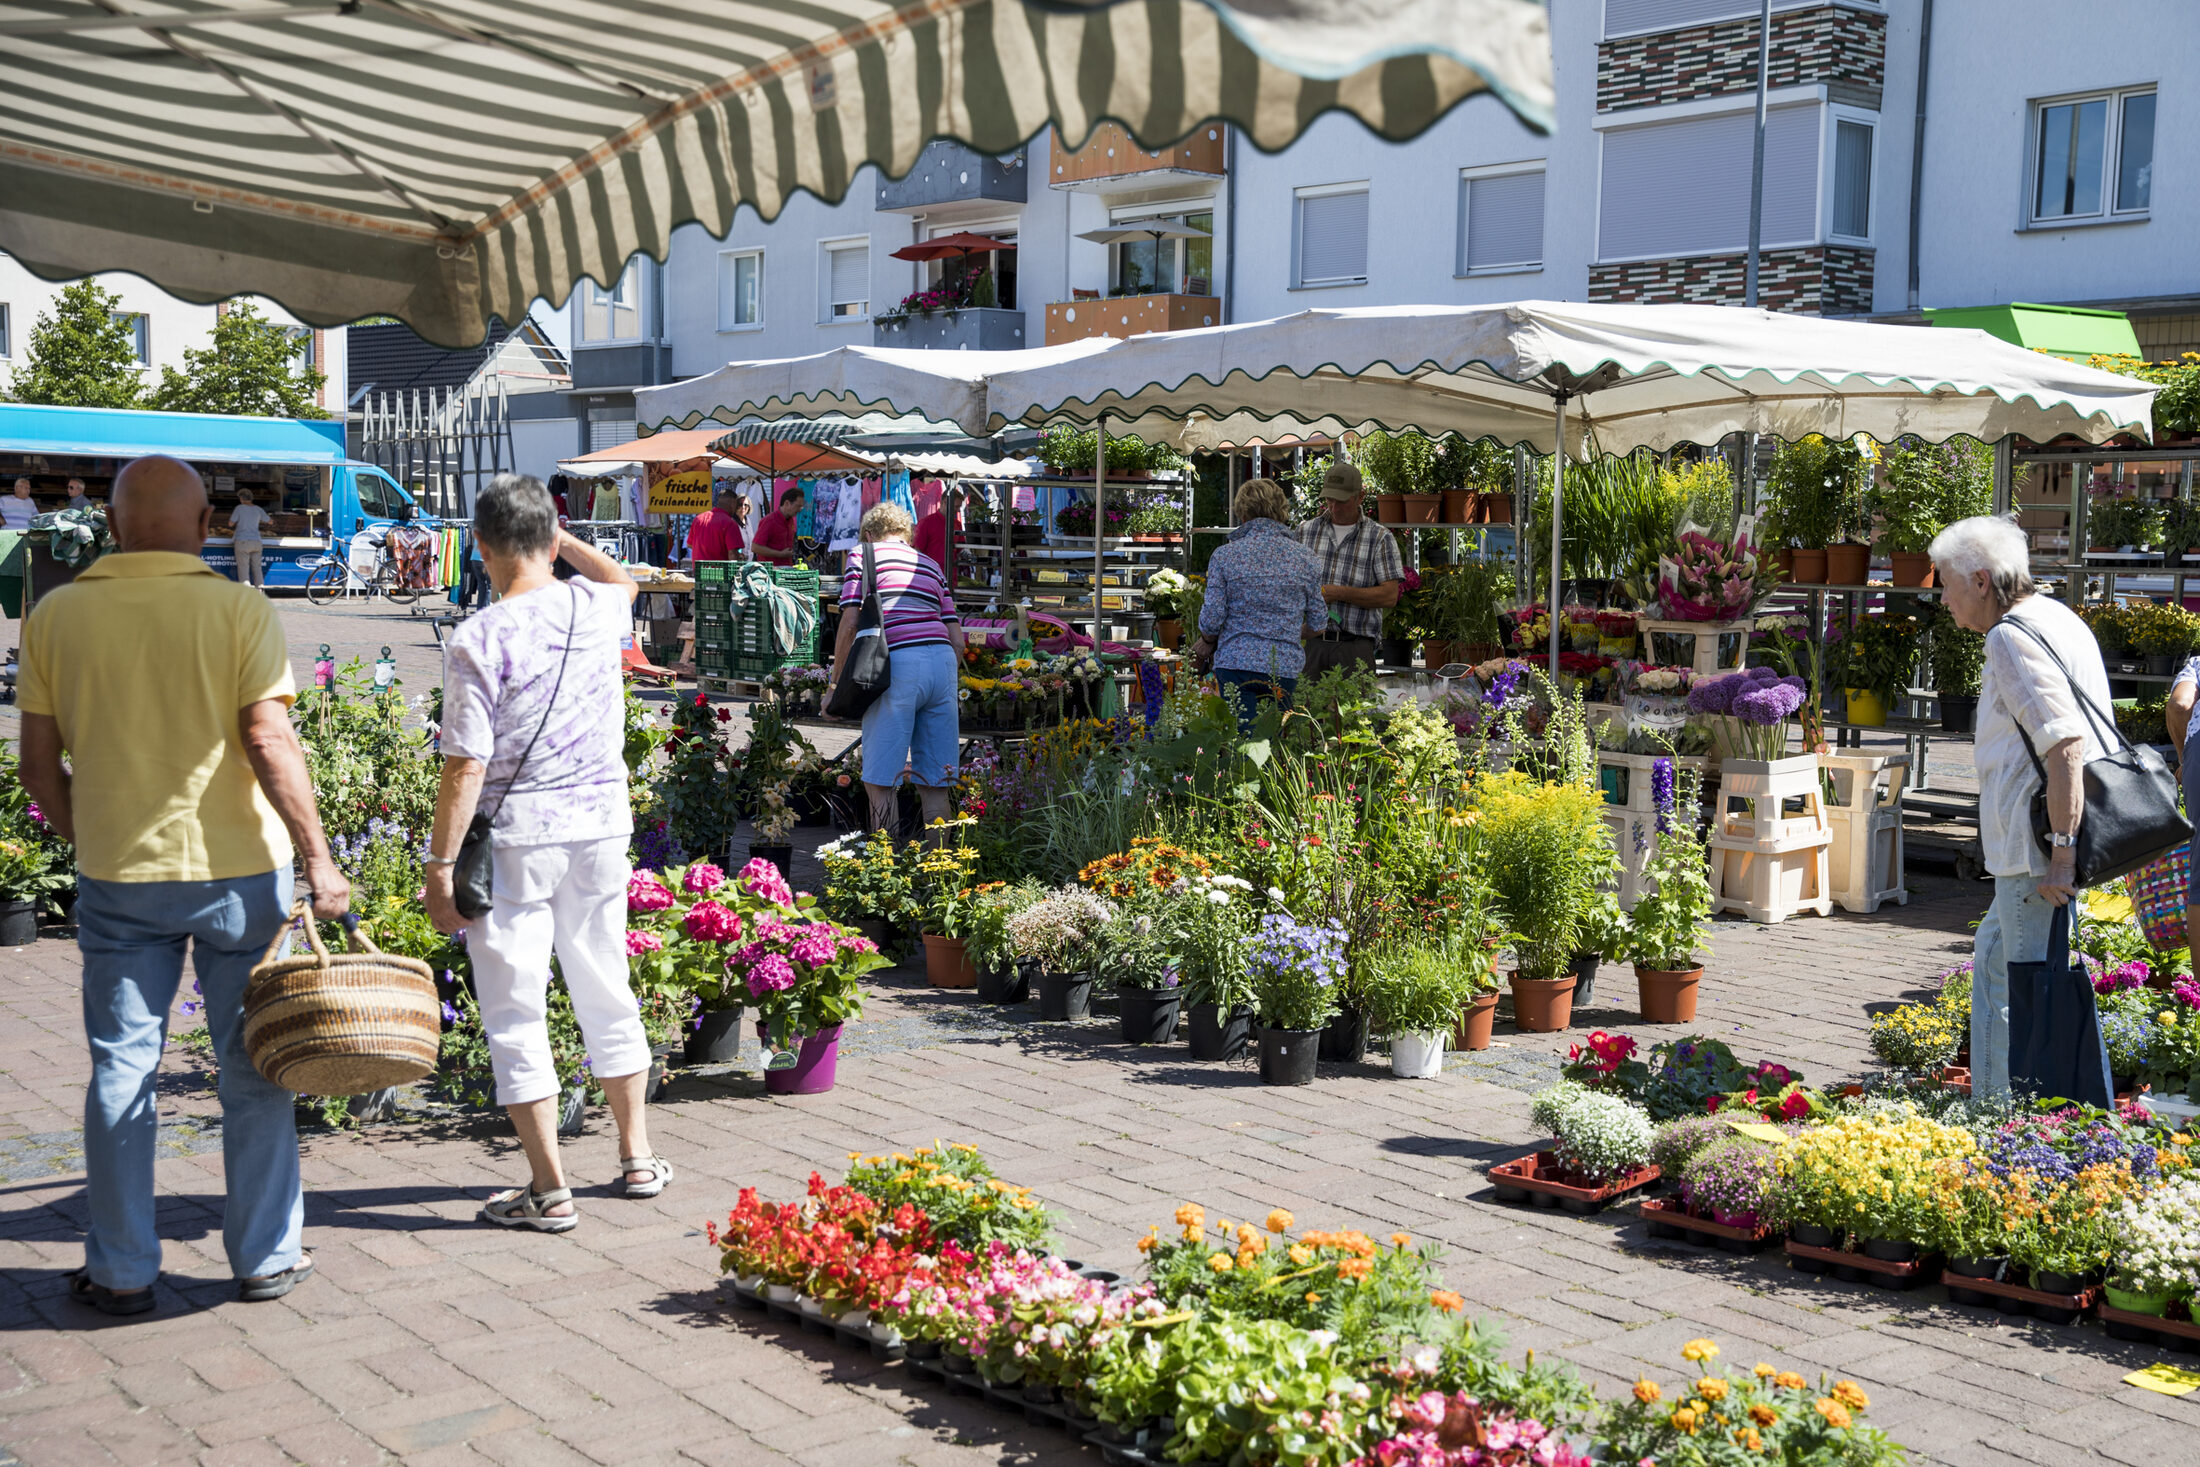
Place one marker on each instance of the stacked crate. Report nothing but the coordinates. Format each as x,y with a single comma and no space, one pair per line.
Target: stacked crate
735,643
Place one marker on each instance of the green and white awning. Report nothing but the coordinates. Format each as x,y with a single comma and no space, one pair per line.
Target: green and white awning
445,161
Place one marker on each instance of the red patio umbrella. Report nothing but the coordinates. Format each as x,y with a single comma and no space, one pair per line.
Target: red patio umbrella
952,246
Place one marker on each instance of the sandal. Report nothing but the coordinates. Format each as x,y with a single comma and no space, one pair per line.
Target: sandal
660,1172
260,1288
106,1300
524,1207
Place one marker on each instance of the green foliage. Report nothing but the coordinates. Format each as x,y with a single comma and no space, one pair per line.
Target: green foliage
251,369
1877,655
1958,656
1721,1417
80,354
2112,523
365,763
1462,601
1671,922
702,799
957,1192
2177,405
1922,488
463,1073
35,863
1069,449
1545,852
1815,493
1420,989
1398,463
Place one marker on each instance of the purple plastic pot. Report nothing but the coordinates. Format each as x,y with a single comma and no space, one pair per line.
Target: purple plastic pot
814,1065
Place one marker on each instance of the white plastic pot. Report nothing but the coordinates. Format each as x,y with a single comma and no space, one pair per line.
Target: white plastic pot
1418,1056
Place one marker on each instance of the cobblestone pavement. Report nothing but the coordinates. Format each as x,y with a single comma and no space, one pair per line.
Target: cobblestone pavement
430,1339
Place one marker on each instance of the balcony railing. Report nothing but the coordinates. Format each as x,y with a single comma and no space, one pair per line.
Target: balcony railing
1130,315
949,173
1109,154
967,328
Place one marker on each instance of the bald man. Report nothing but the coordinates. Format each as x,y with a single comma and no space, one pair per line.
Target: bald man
169,687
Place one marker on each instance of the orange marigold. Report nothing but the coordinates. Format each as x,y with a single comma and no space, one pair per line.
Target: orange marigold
1447,1301
1300,1254
1683,1419
1763,1415
1762,1371
1280,1221
1220,1263
1313,1298
1788,1380
1354,1268
1851,1395
1401,1240
1191,1215
1148,1243
1700,1350
1711,1388
1747,1437
1836,1414
1647,1392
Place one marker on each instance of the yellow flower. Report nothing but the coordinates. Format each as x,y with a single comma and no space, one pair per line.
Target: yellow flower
1148,1243
1280,1221
1647,1392
1313,1298
1836,1414
1191,1215
1748,1437
1851,1395
1788,1380
1401,1240
1711,1388
1220,1263
1700,1350
1683,1419
1764,1371
1300,1255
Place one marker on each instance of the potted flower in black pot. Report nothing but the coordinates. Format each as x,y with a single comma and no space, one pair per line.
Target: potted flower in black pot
870,885
1958,661
1060,936
1001,978
1297,970
1135,962
29,876
1208,923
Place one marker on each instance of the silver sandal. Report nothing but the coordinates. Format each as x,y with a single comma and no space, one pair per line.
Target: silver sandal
524,1207
660,1172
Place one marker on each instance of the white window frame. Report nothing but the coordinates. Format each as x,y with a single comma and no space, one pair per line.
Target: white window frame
7,337
141,329
589,292
826,249
727,324
2112,141
1299,196
1461,270
1829,159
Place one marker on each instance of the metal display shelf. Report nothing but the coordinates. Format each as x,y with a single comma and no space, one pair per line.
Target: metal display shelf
1117,564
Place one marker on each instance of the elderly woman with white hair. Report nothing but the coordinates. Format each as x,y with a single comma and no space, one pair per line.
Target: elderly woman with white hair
2042,664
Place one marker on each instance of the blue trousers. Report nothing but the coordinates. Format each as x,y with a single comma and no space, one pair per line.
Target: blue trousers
132,936
1244,692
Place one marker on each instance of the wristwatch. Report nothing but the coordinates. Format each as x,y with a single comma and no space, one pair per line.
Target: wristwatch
2058,839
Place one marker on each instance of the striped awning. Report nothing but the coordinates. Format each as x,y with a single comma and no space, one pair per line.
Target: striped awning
446,161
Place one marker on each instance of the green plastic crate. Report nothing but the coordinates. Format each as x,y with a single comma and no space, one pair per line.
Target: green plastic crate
737,642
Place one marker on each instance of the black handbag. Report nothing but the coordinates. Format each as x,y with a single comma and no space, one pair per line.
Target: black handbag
2131,815
473,873
870,665
2055,1047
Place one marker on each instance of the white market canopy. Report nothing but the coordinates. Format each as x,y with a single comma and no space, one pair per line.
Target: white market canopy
446,161
1633,376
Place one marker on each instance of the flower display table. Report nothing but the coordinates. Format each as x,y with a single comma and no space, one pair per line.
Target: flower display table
1866,821
1706,648
1767,864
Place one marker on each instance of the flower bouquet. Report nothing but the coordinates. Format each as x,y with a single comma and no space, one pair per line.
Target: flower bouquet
1752,709
1707,579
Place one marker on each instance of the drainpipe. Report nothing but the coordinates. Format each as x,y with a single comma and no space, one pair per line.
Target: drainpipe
1917,140
1756,206
1229,209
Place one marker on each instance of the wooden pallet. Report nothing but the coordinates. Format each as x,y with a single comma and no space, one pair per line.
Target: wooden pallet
1859,1267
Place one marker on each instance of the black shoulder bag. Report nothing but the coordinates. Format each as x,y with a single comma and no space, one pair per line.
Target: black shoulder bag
2131,814
870,666
473,874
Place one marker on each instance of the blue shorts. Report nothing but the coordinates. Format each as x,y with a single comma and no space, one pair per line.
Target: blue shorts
918,721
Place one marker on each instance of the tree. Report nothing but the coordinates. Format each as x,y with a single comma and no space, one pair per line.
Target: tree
252,369
81,353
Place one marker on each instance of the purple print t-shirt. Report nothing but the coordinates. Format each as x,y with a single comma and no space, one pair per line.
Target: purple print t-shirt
498,670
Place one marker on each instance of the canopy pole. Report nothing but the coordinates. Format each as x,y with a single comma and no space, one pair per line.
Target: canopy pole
1099,524
1558,526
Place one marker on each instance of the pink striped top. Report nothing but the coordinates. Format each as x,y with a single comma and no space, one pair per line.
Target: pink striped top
912,594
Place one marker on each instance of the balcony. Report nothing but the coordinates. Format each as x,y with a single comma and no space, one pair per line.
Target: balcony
949,173
1130,315
1109,161
966,328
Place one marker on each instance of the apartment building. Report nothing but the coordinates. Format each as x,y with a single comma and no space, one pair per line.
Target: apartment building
2023,170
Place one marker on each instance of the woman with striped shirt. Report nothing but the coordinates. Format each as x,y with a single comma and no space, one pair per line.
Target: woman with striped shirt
915,725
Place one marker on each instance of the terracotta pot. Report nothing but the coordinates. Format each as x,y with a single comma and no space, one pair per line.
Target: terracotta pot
1459,506
1808,567
946,965
1668,996
1846,565
1543,1005
1476,1020
1390,509
1497,509
1785,558
1167,632
1435,654
1423,509
1912,568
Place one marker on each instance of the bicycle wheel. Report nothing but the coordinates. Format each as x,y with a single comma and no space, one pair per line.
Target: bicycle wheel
392,585
326,583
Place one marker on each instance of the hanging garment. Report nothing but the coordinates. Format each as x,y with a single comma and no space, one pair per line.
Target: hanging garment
824,500
897,490
855,496
604,504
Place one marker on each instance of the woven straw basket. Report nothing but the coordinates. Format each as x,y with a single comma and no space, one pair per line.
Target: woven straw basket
343,1023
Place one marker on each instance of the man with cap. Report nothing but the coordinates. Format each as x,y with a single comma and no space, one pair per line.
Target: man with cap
1361,574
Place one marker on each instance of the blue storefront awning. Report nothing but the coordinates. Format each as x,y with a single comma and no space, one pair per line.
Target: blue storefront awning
113,433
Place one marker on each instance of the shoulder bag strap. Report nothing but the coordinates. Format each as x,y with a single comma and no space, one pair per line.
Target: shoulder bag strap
572,628
2106,727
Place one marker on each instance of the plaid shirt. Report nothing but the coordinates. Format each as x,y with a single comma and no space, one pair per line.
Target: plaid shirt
1363,556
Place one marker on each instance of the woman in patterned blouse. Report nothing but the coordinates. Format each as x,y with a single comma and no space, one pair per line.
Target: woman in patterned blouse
1264,597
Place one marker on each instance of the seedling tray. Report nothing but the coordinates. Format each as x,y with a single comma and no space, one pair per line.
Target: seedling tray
2054,1308
2171,1332
1669,1218
1523,1181
1858,1268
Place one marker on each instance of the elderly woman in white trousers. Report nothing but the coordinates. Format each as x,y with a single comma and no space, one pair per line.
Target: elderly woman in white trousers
533,732
1985,568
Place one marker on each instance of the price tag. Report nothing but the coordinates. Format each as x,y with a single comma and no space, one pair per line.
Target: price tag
2168,1380
1758,1131
782,1059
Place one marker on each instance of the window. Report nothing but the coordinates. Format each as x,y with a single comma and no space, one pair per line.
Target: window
2092,157
614,314
1164,266
4,348
610,427
301,346
846,276
1852,179
375,499
962,272
1330,240
1501,220
1682,187
740,290
140,327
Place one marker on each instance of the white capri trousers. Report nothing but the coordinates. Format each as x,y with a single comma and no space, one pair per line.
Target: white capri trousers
568,897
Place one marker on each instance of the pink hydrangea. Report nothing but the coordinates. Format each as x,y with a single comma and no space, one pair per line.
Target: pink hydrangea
707,921
760,878
770,974
703,878
815,948
858,943
645,893
638,943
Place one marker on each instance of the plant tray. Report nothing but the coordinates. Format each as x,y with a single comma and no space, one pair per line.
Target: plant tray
1859,1268
2055,1308
1669,1218
1523,1181
2171,1332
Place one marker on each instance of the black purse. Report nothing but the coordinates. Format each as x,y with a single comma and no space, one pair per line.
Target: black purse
870,664
473,873
2131,815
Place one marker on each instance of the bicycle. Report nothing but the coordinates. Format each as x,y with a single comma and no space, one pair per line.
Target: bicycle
335,576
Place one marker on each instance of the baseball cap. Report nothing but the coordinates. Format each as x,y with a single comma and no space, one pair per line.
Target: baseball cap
1342,481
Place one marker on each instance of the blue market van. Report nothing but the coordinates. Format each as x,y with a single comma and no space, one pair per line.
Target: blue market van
295,468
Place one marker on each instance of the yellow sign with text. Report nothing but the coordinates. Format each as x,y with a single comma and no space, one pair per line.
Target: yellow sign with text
682,493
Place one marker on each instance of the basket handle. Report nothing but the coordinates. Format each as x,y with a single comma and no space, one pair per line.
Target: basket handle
301,915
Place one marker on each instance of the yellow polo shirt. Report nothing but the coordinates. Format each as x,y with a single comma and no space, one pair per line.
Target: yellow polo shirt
146,661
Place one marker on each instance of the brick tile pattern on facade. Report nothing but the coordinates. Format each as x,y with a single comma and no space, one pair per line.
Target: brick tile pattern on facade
1818,280
1842,46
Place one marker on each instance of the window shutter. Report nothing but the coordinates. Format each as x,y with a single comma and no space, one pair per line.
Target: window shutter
851,275
1641,17
1791,178
1333,237
610,432
1505,220
1670,188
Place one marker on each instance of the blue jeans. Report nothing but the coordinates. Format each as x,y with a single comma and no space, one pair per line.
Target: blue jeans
132,935
916,721
2015,926
1243,691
